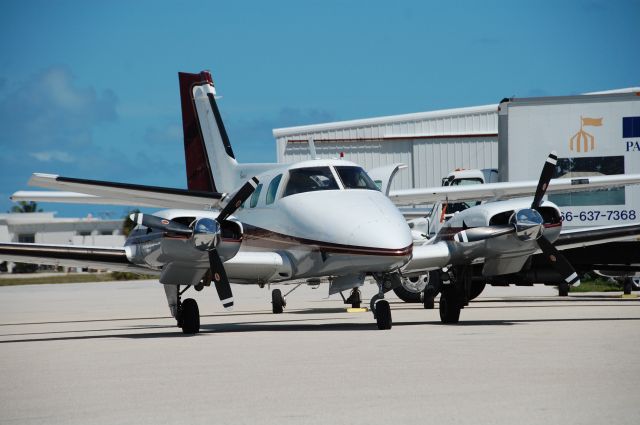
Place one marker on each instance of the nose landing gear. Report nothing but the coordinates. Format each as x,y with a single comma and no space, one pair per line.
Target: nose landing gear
380,306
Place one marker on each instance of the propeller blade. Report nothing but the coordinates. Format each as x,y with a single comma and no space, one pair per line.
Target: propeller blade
476,234
160,223
241,195
219,278
545,177
559,262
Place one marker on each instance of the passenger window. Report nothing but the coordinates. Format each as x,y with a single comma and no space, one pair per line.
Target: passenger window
255,196
310,179
273,188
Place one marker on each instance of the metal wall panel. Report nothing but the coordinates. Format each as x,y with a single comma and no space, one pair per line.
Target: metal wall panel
374,142
435,158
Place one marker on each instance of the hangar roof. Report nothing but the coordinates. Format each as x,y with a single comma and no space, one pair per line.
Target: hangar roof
393,119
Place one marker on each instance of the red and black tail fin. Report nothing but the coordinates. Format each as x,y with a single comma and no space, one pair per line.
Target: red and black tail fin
199,174
211,164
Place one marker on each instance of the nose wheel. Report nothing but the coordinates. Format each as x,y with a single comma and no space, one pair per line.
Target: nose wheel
381,312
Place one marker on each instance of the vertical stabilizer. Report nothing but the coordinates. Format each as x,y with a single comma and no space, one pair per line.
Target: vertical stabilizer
209,158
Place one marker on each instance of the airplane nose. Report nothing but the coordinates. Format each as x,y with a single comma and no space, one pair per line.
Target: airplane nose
387,232
364,220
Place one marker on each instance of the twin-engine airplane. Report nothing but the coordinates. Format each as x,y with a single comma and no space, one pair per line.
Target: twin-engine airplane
270,223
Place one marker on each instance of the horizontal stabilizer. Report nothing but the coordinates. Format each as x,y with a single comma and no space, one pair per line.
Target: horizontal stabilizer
121,193
73,198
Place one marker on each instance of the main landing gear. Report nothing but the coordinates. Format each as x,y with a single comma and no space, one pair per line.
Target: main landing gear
278,302
454,293
185,312
563,289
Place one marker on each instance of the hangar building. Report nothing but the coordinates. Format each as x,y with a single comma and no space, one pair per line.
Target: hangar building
431,144
593,134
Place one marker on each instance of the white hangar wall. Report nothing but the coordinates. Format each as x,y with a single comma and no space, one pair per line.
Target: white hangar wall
431,144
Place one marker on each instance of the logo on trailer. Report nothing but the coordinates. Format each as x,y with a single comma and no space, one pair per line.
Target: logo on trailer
631,130
583,141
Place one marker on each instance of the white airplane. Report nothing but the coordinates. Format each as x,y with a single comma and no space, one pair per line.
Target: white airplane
270,223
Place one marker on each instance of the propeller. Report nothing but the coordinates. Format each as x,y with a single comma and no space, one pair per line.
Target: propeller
206,235
545,178
218,274
528,224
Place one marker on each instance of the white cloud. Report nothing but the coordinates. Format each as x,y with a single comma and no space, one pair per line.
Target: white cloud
52,156
50,109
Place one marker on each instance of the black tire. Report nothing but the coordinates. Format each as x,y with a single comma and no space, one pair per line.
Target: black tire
449,306
277,301
627,286
407,296
383,315
476,289
190,316
429,298
429,301
355,299
563,289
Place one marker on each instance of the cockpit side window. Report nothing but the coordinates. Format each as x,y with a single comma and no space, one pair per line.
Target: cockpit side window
273,189
310,179
255,196
355,178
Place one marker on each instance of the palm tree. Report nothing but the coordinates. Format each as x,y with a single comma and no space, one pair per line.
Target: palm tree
26,207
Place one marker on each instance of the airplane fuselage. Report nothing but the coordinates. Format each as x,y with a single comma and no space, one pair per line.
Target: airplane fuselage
328,228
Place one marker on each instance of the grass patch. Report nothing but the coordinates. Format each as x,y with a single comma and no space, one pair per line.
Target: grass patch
597,285
74,278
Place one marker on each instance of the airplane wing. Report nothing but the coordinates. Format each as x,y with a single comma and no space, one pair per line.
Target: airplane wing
438,255
582,237
497,191
103,192
114,259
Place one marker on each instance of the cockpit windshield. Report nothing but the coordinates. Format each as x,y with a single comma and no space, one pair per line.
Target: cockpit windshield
310,179
355,178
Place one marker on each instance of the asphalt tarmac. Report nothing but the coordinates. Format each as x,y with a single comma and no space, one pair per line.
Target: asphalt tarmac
108,353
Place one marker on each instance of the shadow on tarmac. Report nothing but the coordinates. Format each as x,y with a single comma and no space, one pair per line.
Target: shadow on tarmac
277,326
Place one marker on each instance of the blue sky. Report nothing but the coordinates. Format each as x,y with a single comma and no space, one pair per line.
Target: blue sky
89,88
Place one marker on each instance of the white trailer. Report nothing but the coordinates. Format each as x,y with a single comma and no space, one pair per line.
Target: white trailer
594,134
